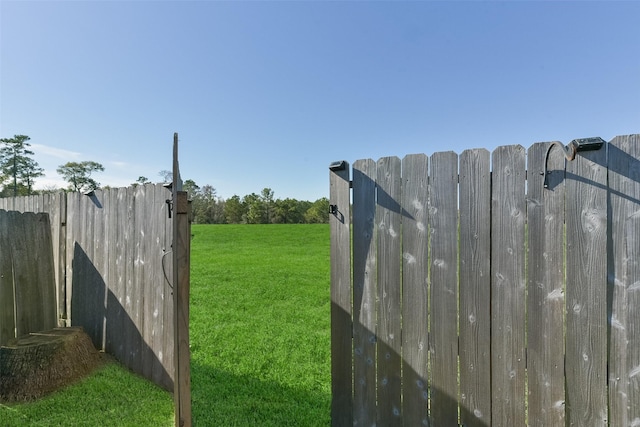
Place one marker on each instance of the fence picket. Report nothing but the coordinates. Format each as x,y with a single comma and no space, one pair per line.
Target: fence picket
534,347
443,221
545,286
341,324
389,380
475,288
624,287
508,211
364,292
7,307
586,336
415,339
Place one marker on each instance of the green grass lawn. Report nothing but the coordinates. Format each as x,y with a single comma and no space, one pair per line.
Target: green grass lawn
111,396
260,341
260,318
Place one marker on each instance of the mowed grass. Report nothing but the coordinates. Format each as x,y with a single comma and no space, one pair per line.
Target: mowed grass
260,341
111,396
260,319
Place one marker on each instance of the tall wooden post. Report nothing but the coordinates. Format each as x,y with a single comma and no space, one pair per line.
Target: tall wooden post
181,262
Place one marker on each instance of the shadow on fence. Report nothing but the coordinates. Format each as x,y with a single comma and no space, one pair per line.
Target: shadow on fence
107,322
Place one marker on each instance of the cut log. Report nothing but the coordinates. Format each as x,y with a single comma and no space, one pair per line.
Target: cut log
40,363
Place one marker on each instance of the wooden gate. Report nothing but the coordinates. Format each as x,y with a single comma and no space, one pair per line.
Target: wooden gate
487,289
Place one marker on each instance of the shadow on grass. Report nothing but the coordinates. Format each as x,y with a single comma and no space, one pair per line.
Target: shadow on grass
224,398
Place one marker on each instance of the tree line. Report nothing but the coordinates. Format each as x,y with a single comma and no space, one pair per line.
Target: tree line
18,172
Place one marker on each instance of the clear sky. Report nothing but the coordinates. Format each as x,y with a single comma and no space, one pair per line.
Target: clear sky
267,94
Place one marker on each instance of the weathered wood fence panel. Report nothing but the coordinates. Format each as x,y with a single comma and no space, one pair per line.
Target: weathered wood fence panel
508,215
364,292
113,271
55,206
443,222
27,286
624,280
389,378
515,288
545,285
415,243
341,325
586,286
475,288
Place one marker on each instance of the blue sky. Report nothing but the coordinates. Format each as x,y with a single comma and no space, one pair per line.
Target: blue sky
267,94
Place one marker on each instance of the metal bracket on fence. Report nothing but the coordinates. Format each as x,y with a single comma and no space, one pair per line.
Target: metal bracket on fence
333,209
571,149
338,165
169,203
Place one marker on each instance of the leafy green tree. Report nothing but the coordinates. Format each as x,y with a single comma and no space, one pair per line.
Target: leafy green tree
207,208
17,166
266,197
78,175
191,188
318,212
255,212
234,210
142,180
289,211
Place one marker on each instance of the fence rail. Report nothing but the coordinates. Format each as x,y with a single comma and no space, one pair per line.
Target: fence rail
477,291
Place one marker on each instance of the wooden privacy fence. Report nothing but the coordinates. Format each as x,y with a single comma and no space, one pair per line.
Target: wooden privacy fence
479,291
27,288
115,271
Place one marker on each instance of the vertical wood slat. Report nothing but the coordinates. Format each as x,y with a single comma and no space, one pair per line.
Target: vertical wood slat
181,283
415,339
159,288
443,221
475,288
388,215
545,286
116,316
364,293
586,335
508,211
341,324
149,284
624,282
7,300
135,292
168,358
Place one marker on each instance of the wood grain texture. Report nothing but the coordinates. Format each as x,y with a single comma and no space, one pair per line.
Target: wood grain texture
27,275
545,286
508,211
586,296
624,280
108,251
475,288
7,300
415,290
389,378
341,291
364,293
181,266
443,221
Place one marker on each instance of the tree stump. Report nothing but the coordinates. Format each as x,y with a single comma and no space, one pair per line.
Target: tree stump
40,363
